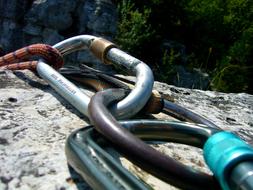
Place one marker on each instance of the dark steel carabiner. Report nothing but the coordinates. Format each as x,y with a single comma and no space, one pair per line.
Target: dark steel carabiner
96,160
139,152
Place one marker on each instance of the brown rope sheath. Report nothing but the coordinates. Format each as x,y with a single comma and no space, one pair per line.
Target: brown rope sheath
15,60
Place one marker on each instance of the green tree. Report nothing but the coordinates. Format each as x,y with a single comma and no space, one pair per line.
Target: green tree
217,34
133,27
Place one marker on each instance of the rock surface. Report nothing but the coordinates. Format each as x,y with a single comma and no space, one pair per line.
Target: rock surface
50,21
35,122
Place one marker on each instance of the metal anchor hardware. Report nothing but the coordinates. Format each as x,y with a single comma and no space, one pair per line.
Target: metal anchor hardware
125,108
227,155
91,154
223,152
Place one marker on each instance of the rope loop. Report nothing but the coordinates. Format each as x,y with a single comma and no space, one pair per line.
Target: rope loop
17,60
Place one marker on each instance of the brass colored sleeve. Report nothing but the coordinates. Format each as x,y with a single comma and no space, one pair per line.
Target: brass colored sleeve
155,103
99,47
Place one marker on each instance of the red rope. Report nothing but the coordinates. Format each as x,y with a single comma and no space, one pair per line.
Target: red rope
14,60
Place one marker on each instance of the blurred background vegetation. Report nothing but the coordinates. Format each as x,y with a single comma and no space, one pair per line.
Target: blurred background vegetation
212,37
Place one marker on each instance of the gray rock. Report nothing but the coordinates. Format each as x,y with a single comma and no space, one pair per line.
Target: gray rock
11,35
101,21
13,9
31,39
52,14
33,134
50,21
98,17
51,36
35,122
187,78
31,29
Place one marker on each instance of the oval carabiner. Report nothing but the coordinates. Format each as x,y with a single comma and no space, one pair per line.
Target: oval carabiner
86,154
139,152
228,157
104,158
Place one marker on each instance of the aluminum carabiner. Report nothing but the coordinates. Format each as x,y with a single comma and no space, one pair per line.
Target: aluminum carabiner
108,53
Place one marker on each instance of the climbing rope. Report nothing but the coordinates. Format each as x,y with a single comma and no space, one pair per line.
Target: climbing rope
16,60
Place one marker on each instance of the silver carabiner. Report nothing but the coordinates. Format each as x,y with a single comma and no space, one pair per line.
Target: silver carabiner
107,52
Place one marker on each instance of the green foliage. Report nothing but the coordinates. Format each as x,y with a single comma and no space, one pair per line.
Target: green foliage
167,71
234,71
133,27
218,36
